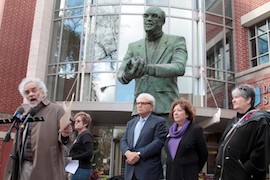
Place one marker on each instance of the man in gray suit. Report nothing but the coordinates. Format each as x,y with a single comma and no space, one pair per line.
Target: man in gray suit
155,62
142,146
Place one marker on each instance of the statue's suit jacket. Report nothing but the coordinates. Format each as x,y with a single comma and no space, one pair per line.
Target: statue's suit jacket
168,62
149,144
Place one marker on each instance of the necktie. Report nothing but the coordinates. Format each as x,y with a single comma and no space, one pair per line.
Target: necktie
137,130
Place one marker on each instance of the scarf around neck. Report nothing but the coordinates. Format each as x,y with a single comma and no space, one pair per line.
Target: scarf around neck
174,133
175,137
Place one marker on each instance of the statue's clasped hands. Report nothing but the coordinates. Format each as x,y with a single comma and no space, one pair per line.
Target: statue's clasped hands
136,67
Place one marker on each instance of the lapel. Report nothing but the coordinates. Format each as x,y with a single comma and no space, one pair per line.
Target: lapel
133,129
144,129
161,48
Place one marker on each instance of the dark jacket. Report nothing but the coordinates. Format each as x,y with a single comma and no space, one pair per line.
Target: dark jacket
243,153
190,157
149,144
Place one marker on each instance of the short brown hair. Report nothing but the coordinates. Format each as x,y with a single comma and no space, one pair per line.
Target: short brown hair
86,118
187,106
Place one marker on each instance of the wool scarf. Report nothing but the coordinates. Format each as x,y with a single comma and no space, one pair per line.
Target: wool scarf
176,136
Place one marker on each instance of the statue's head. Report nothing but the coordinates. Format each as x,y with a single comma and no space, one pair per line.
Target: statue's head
154,19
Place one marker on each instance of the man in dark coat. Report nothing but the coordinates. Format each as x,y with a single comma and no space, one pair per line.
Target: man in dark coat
143,149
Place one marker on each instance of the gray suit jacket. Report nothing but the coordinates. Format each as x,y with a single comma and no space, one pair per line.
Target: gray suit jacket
149,144
167,63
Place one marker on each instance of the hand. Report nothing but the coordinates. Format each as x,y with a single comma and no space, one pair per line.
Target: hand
67,131
69,159
139,68
132,157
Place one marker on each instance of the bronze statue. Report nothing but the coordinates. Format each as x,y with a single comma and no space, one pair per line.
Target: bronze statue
155,62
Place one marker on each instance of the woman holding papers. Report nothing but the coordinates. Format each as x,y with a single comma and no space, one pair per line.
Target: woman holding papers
82,148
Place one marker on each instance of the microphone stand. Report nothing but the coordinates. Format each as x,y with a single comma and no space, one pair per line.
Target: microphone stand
14,155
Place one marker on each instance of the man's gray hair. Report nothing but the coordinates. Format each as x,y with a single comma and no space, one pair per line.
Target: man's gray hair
149,97
35,80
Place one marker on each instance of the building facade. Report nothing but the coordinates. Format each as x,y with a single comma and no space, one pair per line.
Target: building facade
77,46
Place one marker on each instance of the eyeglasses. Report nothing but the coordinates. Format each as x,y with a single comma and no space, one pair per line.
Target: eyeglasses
33,90
142,103
154,16
242,88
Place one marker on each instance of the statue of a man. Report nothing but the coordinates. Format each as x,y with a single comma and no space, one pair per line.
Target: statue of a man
155,62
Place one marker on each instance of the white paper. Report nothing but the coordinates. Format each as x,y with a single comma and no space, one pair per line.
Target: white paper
72,166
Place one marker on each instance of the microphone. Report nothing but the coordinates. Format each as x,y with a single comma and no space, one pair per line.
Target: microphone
17,116
30,114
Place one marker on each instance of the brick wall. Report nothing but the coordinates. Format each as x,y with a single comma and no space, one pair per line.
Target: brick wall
15,36
241,33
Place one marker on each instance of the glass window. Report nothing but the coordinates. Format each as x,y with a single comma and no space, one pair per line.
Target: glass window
229,51
103,87
74,3
253,48
73,12
259,42
218,97
180,13
262,28
181,3
71,40
157,2
55,45
214,18
108,9
106,37
133,1
263,44
51,87
131,28
264,59
228,8
132,9
125,92
64,87
186,32
214,6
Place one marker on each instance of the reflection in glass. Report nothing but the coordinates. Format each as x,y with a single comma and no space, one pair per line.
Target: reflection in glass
71,39
67,70
229,51
50,83
214,18
64,88
262,28
73,12
108,9
132,9
103,86
55,45
181,3
106,40
253,48
180,13
133,1
263,44
264,59
131,28
186,32
74,3
213,33
125,93
157,2
214,6
228,8
218,91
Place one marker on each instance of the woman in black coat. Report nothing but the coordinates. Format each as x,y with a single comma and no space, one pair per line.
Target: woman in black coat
185,144
244,144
